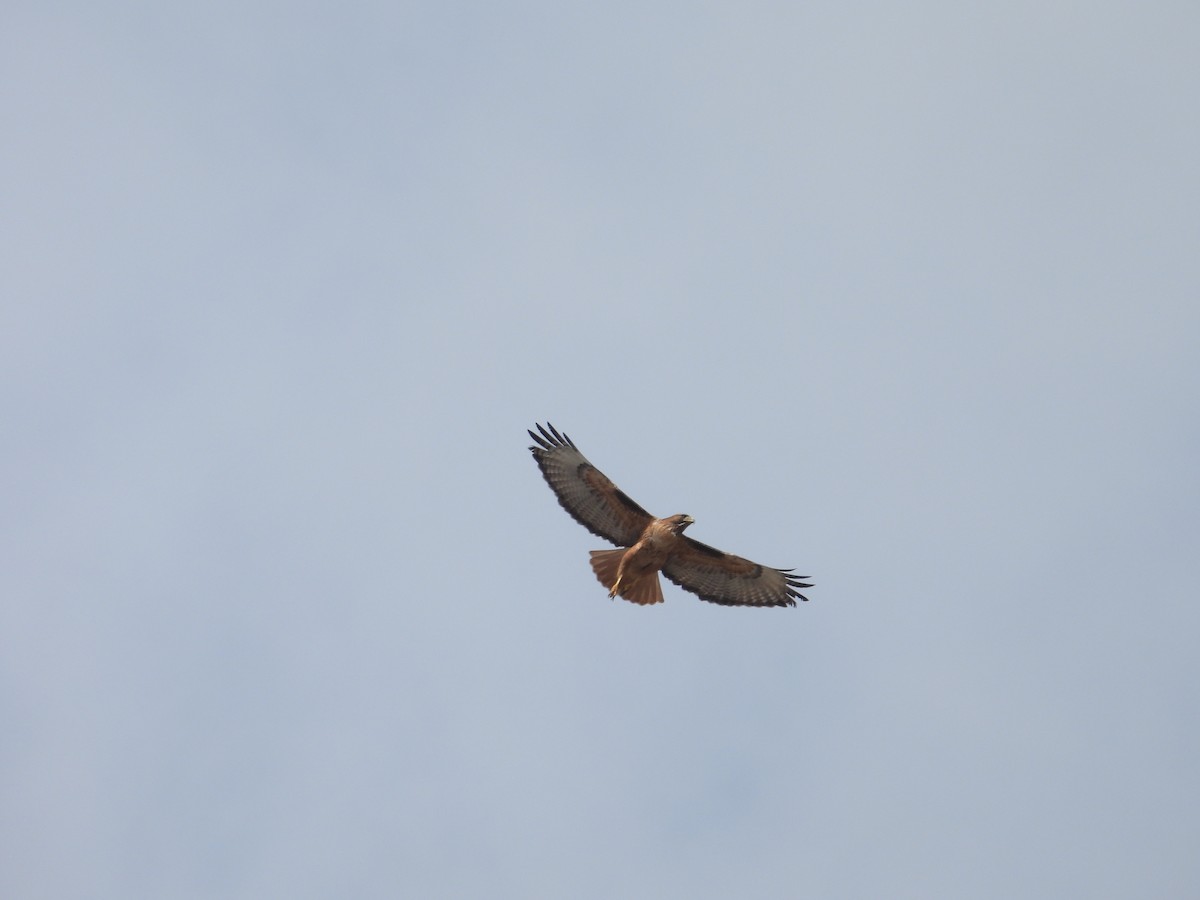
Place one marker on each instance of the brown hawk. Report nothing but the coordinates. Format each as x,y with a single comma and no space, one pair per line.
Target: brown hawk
647,545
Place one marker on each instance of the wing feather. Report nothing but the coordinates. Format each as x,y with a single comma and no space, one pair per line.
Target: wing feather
585,492
720,577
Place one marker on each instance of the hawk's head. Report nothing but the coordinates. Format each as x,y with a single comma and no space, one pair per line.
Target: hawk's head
679,522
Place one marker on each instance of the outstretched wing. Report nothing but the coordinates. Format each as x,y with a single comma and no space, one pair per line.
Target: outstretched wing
730,580
583,490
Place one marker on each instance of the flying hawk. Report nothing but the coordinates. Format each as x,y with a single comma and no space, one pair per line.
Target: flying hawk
647,545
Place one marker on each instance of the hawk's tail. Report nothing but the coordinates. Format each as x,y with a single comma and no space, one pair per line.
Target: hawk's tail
642,590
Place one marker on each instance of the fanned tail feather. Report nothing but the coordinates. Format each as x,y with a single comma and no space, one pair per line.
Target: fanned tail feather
643,590
606,563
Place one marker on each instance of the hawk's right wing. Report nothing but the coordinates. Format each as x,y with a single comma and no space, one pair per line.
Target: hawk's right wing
585,492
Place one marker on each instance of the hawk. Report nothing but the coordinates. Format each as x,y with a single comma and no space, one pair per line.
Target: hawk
646,545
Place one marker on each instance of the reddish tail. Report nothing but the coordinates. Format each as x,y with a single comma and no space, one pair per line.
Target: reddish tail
641,588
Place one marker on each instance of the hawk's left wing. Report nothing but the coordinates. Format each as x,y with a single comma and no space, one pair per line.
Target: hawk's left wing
730,580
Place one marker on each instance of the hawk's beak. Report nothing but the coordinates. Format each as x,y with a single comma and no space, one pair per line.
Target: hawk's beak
688,520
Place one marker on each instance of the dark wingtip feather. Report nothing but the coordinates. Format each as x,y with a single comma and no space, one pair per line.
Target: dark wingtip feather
794,582
551,439
560,439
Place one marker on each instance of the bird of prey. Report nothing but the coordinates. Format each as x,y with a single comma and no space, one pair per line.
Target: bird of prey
646,545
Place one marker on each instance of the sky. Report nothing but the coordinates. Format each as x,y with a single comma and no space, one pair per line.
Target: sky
904,297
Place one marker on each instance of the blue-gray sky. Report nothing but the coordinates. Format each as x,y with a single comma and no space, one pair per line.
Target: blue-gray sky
905,297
